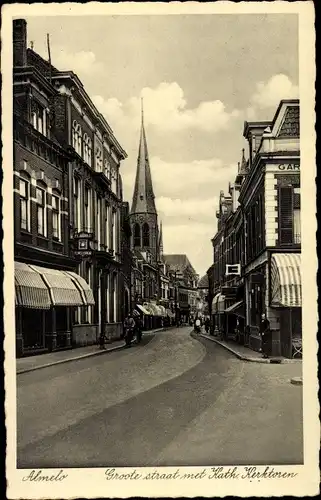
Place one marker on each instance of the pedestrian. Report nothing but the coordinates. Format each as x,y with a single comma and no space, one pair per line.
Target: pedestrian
207,324
129,326
197,326
265,332
138,328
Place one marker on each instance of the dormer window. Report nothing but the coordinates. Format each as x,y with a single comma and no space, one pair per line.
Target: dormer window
39,118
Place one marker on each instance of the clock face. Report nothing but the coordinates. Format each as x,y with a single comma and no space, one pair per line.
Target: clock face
82,244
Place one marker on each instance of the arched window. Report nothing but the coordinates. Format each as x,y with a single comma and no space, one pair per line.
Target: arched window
136,235
76,137
145,235
24,191
87,149
99,160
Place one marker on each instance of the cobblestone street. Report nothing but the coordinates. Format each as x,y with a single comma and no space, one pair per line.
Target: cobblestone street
173,400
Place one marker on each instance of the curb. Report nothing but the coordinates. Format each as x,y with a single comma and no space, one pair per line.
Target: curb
83,356
68,360
249,358
237,354
297,381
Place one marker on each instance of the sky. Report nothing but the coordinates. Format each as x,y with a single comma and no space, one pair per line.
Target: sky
201,77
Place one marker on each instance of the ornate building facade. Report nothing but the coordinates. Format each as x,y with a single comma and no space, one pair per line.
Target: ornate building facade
256,268
75,162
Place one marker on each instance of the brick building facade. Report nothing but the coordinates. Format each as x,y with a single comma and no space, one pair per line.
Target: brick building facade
72,157
259,235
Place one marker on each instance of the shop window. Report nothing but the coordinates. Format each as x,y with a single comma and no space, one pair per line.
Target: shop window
41,211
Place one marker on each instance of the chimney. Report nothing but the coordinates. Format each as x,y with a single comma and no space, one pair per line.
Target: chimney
19,42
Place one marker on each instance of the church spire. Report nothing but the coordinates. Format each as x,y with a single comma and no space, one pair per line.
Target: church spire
143,198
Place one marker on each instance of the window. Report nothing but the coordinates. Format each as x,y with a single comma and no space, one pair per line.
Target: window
88,309
56,229
136,235
41,211
24,190
107,225
99,160
98,220
114,180
107,168
145,235
77,204
76,137
87,209
113,230
39,117
286,215
87,149
297,225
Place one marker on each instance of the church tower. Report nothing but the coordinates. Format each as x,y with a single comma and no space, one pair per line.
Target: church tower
143,215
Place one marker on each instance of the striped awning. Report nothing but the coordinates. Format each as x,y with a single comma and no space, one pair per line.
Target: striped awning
31,290
143,309
237,309
153,309
162,310
286,280
63,291
218,303
84,288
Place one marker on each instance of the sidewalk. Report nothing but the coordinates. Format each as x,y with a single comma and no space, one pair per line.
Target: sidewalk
247,354
31,363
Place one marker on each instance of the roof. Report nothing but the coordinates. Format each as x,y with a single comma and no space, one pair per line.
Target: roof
143,197
178,262
203,282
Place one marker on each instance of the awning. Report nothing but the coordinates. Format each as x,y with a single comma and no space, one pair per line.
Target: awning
143,309
83,287
31,290
162,310
237,309
218,303
62,289
286,280
154,309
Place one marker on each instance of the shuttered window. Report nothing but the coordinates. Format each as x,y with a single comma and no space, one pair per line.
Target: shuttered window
286,215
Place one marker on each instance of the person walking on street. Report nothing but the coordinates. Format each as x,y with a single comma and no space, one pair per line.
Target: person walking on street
265,332
129,326
138,329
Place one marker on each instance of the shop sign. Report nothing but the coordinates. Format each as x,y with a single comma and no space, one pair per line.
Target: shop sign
290,166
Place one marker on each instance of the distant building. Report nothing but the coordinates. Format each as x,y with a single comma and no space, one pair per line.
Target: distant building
185,284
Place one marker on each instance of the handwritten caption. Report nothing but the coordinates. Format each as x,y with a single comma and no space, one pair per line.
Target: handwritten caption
250,473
